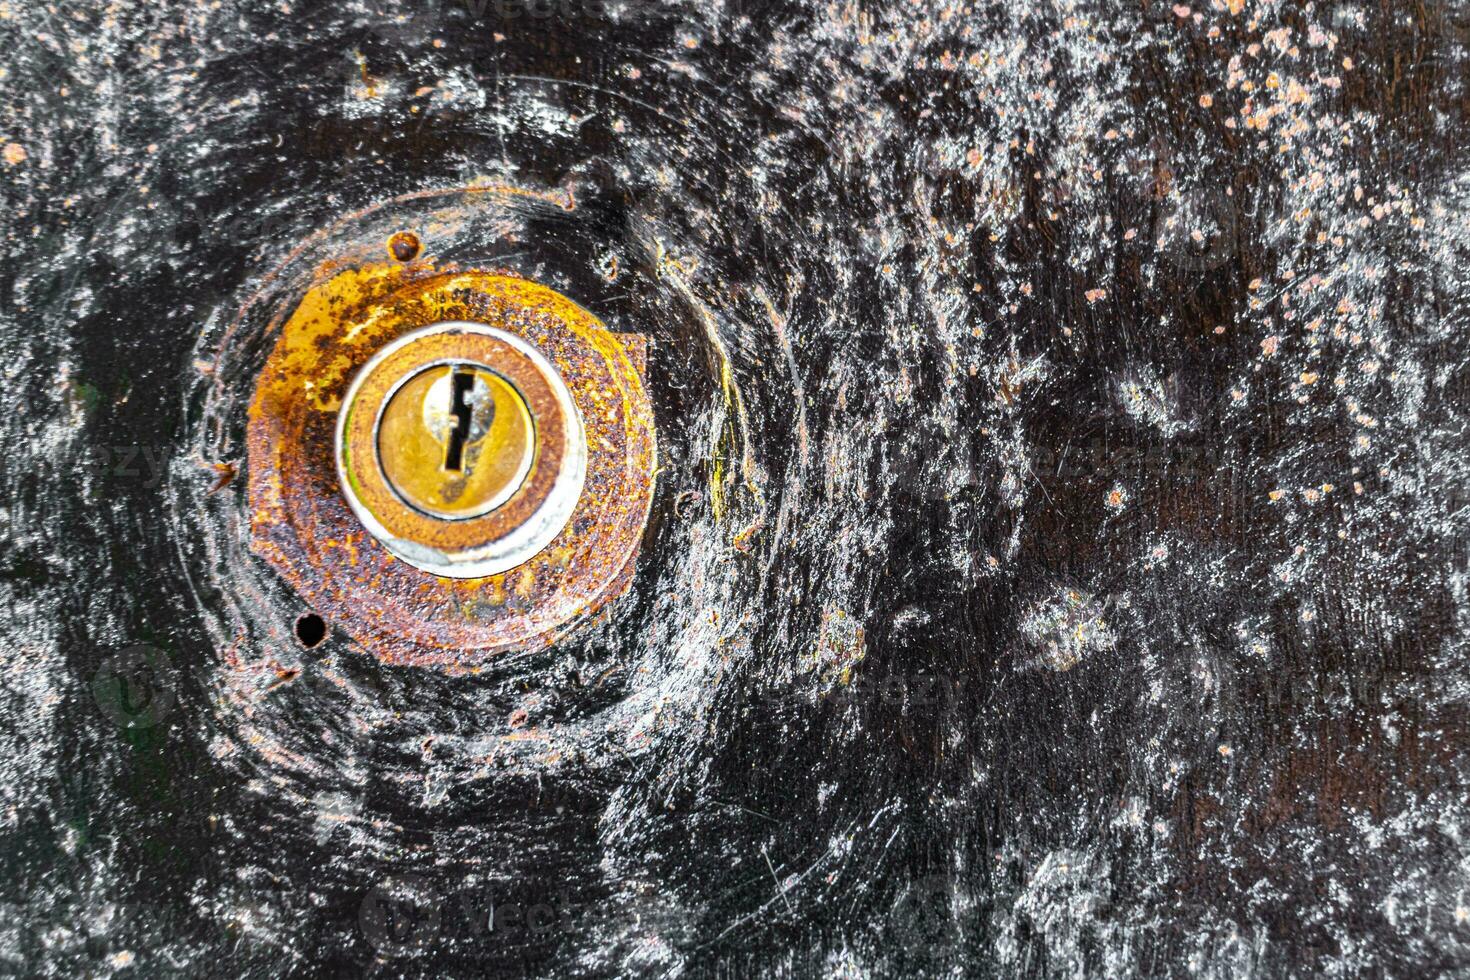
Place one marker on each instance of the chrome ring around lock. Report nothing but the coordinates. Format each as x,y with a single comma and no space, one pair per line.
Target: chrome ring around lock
502,547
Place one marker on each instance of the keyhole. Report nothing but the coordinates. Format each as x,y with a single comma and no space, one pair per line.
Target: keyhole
463,412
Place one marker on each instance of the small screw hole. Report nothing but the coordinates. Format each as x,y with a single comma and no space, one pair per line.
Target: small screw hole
404,246
311,629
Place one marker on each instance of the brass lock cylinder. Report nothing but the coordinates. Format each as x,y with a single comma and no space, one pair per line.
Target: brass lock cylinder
460,449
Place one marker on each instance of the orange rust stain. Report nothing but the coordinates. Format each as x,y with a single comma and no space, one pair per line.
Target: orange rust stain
301,524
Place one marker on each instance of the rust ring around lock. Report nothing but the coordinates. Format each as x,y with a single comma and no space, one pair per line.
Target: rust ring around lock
301,522
509,534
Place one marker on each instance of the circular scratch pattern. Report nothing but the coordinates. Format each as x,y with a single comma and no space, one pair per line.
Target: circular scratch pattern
1057,566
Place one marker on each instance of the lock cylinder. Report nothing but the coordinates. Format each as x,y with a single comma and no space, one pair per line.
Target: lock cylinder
456,441
460,449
